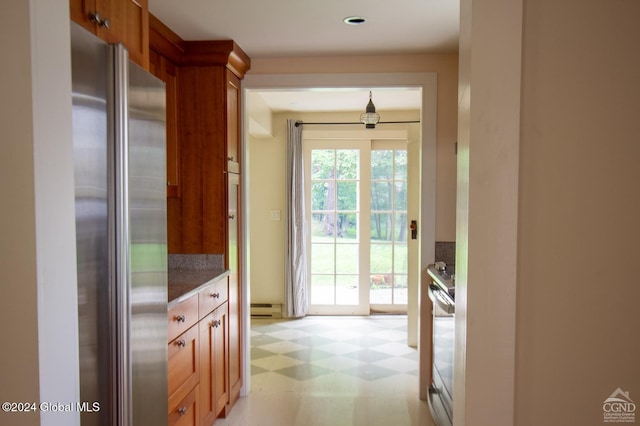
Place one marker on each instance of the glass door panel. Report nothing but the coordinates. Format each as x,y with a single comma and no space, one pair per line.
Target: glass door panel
388,234
334,180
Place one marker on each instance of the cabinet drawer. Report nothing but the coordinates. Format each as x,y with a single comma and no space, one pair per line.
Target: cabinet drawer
182,316
184,365
186,412
212,296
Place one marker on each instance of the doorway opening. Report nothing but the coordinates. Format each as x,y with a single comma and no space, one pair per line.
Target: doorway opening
263,148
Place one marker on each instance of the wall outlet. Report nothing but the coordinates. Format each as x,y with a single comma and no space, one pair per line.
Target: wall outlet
274,215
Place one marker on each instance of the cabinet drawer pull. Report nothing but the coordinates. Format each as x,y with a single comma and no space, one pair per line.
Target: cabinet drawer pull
97,19
183,410
180,318
181,343
215,295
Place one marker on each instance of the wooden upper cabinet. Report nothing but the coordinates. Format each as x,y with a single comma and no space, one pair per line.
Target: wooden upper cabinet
173,145
208,107
81,12
233,123
117,21
166,71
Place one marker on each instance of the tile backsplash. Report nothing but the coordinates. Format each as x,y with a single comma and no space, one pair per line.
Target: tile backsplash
445,251
196,261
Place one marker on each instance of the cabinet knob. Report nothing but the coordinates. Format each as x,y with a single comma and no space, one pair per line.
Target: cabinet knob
181,343
96,18
232,216
180,318
230,158
215,295
216,323
183,410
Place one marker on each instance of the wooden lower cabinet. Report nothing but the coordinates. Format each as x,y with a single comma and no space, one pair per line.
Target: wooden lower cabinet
184,366
186,412
182,316
199,357
214,383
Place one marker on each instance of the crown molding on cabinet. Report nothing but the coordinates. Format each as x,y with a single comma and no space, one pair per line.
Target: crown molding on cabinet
199,52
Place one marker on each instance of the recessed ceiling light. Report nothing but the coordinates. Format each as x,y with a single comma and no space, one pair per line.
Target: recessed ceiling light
354,20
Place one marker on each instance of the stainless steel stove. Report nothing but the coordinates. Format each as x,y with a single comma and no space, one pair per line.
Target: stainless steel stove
442,295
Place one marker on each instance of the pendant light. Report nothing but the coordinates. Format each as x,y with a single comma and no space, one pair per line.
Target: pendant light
370,117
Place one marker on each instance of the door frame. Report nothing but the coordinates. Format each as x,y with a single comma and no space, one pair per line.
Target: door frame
427,81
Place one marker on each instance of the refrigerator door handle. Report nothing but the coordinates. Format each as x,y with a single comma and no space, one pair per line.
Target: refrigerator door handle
119,61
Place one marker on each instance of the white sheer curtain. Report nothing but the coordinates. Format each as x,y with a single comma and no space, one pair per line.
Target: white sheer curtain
295,293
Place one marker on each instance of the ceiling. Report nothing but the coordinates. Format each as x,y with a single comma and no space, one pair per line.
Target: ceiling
342,99
286,28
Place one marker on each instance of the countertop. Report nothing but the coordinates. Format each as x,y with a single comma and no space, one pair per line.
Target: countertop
183,283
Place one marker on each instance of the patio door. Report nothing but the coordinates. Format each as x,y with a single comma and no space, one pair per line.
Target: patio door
356,222
389,229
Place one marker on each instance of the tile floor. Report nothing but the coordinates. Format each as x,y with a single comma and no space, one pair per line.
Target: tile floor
331,371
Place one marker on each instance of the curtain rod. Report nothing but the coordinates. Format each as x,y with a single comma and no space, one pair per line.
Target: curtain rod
300,123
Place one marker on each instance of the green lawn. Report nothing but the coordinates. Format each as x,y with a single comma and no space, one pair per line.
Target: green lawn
343,262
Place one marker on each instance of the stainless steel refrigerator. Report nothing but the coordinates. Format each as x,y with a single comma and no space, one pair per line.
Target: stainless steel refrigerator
119,152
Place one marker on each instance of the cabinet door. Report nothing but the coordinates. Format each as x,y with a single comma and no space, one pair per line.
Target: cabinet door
129,25
166,71
80,11
235,290
173,144
233,123
201,220
213,364
120,21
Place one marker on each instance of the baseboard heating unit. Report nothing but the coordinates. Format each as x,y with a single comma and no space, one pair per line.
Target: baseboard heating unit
266,310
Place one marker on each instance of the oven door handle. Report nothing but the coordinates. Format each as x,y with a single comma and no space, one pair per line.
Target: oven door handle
440,298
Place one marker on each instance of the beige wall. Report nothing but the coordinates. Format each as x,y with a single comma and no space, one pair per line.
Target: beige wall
266,193
487,209
267,185
577,210
446,67
37,247
19,368
578,286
